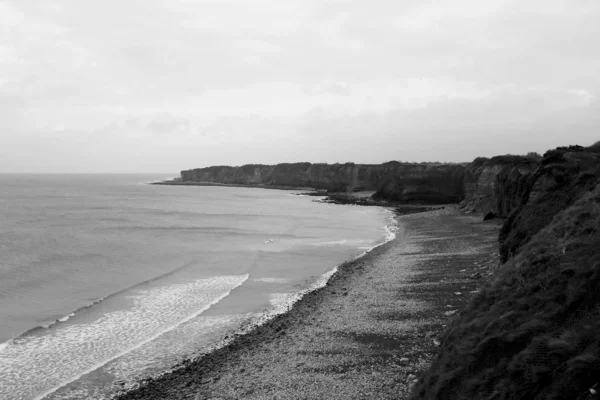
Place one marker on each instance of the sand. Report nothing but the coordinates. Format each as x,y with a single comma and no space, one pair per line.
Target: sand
367,335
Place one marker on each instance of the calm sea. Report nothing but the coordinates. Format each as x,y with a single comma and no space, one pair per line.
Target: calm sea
105,280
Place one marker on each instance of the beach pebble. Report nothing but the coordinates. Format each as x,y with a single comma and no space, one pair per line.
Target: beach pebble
451,312
476,275
412,377
463,270
404,360
458,293
437,343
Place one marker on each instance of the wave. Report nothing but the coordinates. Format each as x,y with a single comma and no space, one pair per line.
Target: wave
87,307
143,342
5,344
271,280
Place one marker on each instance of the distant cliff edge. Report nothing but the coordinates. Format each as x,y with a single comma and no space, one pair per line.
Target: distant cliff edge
408,183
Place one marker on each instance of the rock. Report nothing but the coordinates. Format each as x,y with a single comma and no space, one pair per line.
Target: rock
437,343
457,293
404,360
451,312
489,215
476,275
411,386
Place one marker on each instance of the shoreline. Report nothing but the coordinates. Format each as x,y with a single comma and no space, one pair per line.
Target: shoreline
239,368
258,186
248,327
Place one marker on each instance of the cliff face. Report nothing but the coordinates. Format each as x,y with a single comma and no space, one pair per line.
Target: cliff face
562,177
532,330
424,183
496,185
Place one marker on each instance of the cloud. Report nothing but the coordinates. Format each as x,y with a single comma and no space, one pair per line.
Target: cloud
294,79
167,124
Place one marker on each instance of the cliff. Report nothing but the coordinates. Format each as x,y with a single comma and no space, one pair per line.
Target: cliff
532,330
496,185
409,183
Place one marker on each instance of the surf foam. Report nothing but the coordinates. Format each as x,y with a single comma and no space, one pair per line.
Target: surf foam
59,356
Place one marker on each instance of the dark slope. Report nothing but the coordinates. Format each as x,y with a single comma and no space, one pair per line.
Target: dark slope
533,330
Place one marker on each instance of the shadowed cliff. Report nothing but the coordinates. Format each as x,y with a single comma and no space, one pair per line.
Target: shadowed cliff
393,181
495,185
532,331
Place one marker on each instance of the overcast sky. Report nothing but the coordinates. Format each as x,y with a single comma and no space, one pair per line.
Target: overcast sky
165,85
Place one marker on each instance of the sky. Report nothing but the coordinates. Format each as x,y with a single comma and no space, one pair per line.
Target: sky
164,85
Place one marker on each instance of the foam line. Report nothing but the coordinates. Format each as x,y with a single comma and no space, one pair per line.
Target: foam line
100,300
149,339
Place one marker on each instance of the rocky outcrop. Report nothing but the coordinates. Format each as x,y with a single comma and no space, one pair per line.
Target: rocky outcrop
496,185
408,183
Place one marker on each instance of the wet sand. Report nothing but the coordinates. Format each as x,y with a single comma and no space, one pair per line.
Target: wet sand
366,335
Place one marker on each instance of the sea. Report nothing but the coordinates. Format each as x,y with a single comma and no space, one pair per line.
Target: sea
106,280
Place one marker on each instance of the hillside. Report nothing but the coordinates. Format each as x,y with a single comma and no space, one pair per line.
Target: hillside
532,330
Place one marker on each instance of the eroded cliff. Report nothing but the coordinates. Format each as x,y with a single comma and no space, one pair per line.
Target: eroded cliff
496,185
409,183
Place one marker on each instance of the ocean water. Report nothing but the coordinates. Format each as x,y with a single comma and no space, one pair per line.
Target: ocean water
105,280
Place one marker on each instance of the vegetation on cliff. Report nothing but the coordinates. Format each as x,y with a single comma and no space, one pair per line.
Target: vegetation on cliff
532,331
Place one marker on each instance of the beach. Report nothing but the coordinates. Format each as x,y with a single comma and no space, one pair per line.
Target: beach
367,334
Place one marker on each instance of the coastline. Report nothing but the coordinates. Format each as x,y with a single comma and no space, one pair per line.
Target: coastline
369,331
258,186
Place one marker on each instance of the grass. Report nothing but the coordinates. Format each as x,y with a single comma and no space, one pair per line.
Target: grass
532,331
